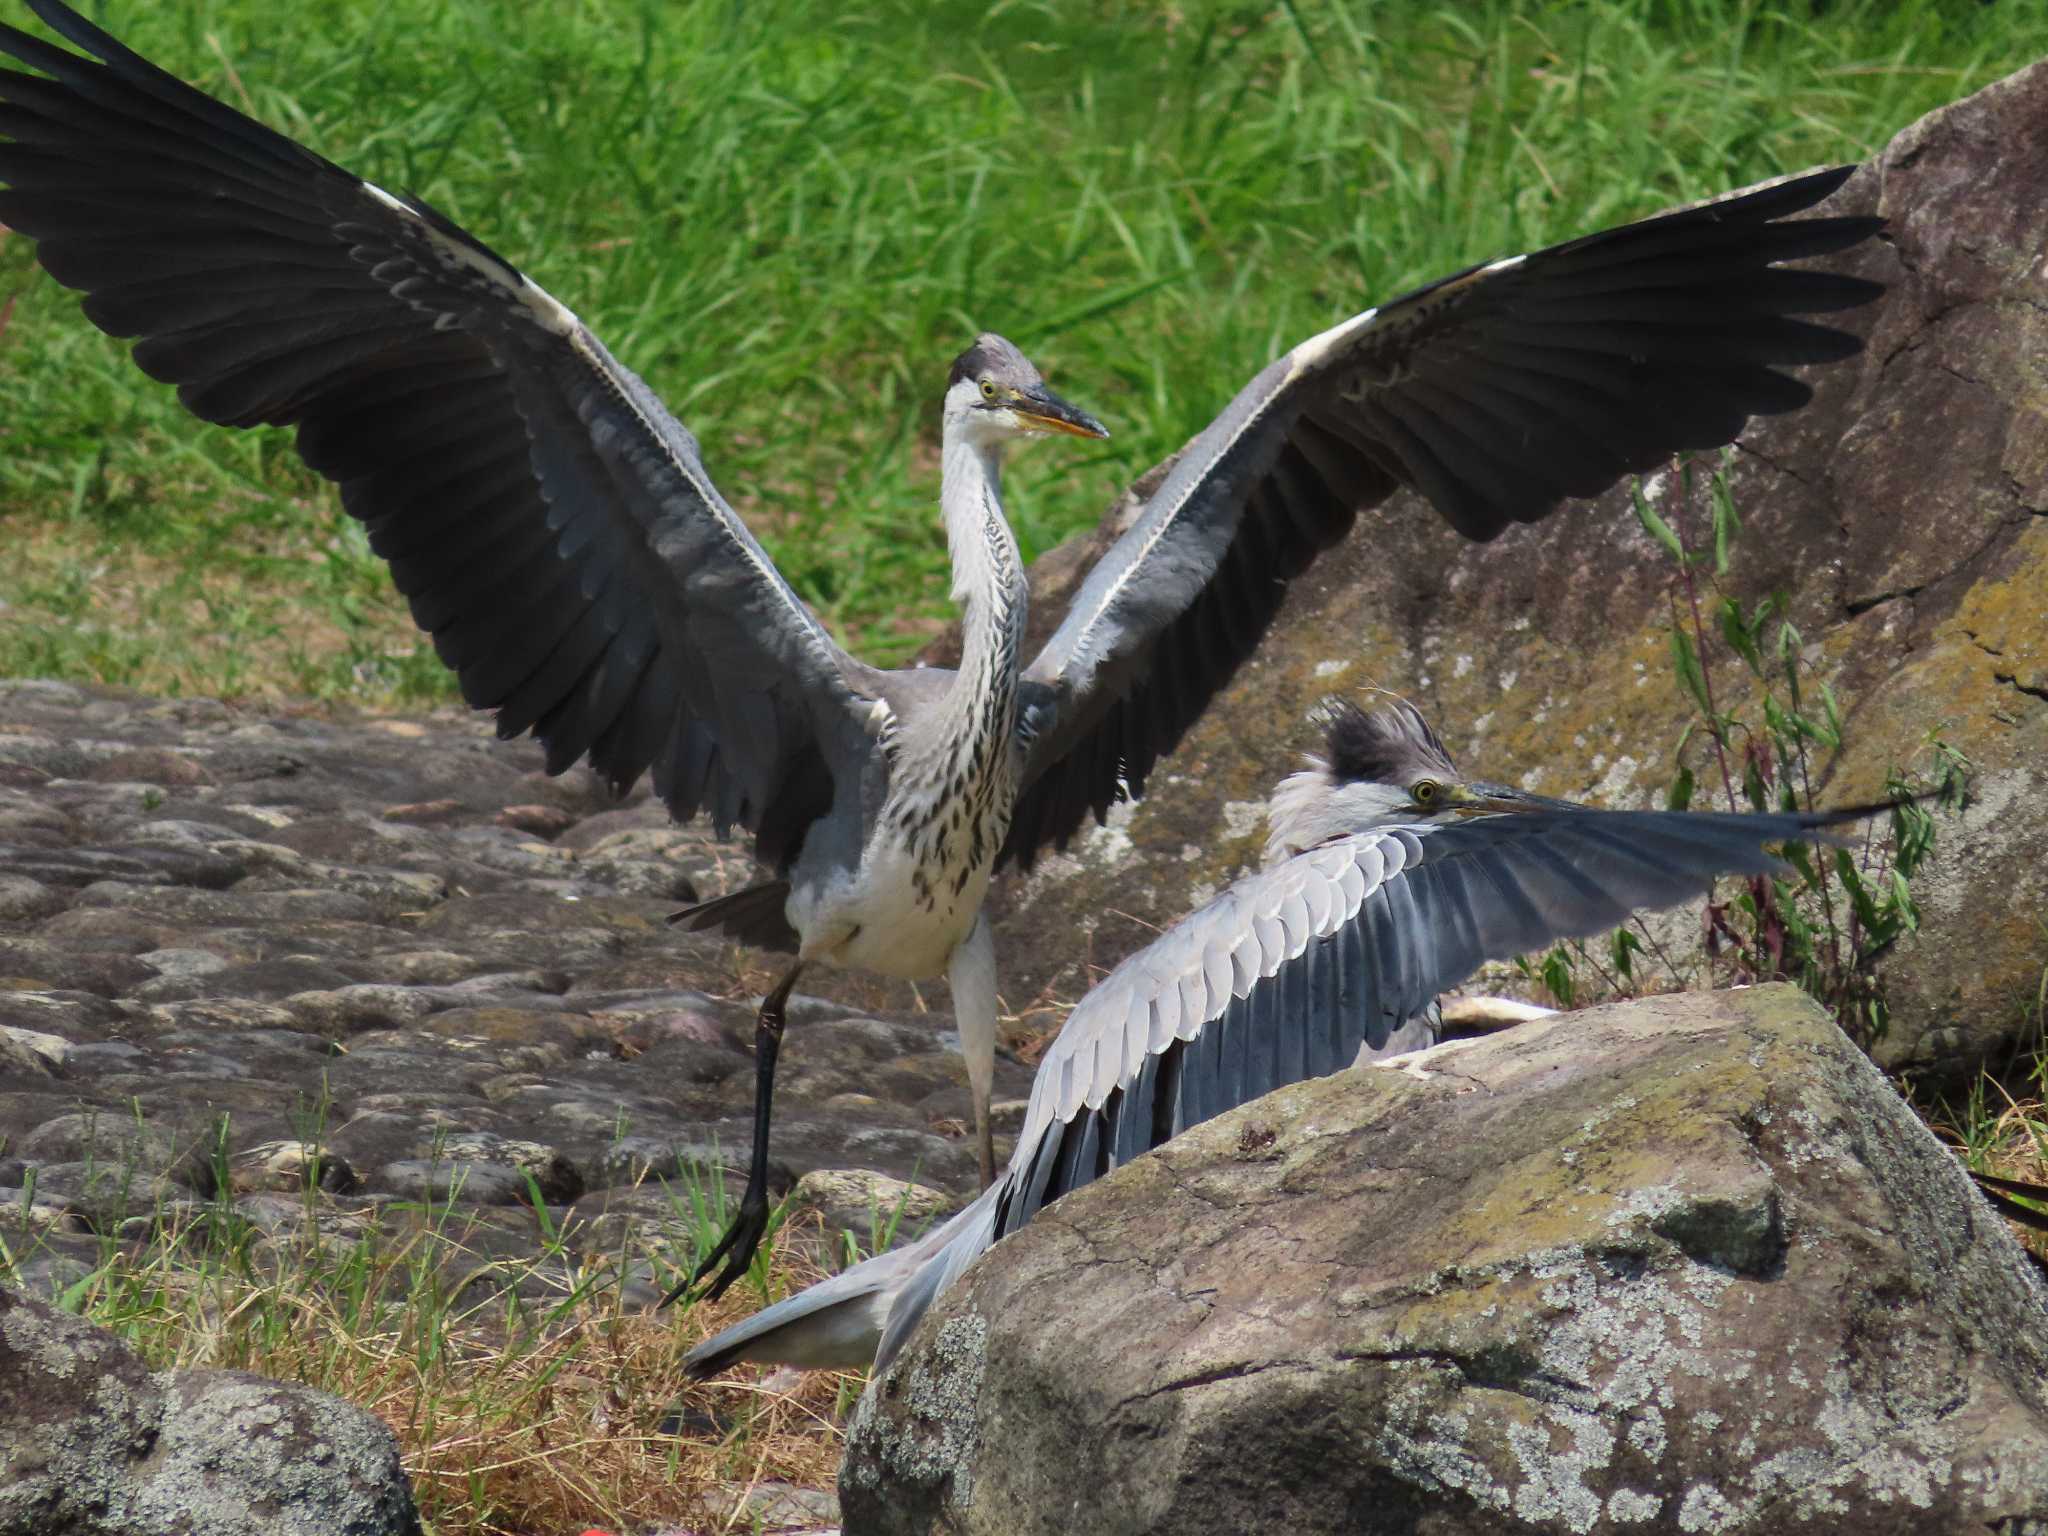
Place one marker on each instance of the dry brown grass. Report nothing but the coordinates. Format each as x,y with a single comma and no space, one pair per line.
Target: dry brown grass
534,1402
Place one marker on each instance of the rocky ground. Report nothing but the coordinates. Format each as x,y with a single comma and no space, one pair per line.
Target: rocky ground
233,943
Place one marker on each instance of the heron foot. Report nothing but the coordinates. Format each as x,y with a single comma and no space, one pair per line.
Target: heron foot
742,1240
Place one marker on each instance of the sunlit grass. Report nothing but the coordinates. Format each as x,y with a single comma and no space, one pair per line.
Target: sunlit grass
528,1394
788,217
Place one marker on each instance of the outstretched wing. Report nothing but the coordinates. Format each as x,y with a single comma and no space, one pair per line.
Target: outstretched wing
552,526
1293,970
1495,393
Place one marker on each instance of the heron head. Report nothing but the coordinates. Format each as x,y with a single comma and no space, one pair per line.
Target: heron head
1381,767
995,394
1384,767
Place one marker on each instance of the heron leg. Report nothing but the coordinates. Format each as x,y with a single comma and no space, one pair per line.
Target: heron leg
743,1238
972,972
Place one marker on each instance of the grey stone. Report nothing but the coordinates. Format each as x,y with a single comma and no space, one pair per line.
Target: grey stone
74,1015
64,970
282,978
557,1179
1683,1264
640,877
23,900
106,929
116,1139
443,1179
34,1050
51,759
352,1009
105,1196
249,903
224,1014
862,1204
422,967
649,816
92,1443
183,962
683,1060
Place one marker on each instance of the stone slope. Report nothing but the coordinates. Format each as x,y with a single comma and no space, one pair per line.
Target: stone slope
392,952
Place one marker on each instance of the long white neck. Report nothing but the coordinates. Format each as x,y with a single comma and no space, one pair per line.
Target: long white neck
989,585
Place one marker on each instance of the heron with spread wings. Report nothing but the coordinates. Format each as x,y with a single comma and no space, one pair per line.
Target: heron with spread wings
556,531
1389,878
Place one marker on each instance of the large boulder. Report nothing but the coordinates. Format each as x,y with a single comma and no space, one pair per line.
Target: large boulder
94,1443
1901,513
1687,1264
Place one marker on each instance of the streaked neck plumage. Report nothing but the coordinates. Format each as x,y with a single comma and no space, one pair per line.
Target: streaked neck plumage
954,776
988,583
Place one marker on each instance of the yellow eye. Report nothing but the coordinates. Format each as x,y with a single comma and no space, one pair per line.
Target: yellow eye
1425,791
988,390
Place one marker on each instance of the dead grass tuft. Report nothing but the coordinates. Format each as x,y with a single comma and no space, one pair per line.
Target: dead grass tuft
532,1395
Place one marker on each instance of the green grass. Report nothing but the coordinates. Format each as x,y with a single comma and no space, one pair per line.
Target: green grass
789,216
528,1394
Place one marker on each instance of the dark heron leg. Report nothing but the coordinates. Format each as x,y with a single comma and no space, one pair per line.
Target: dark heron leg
743,1237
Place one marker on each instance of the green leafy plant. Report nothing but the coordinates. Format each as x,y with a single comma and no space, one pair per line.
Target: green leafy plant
1825,928
1764,739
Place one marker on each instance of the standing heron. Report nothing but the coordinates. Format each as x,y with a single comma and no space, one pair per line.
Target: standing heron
556,531
1388,879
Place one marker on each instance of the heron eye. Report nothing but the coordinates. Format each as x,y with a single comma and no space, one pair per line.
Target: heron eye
988,390
1425,791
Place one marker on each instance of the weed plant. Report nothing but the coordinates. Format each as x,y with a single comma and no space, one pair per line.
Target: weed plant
533,1393
1763,740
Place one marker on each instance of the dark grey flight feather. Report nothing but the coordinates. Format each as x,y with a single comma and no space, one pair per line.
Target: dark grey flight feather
552,527
1495,393
555,531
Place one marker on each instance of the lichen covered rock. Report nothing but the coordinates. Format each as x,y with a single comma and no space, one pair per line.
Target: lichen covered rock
93,1443
1687,1264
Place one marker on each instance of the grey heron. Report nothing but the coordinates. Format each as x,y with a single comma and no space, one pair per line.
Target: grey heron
1389,878
556,531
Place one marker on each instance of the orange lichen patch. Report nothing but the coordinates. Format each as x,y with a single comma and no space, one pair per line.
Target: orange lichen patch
2007,619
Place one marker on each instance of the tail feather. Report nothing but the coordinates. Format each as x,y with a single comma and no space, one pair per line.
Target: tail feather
753,916
857,1318
967,1237
832,1326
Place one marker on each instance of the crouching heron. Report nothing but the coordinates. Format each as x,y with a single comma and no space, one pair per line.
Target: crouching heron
557,533
1388,879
